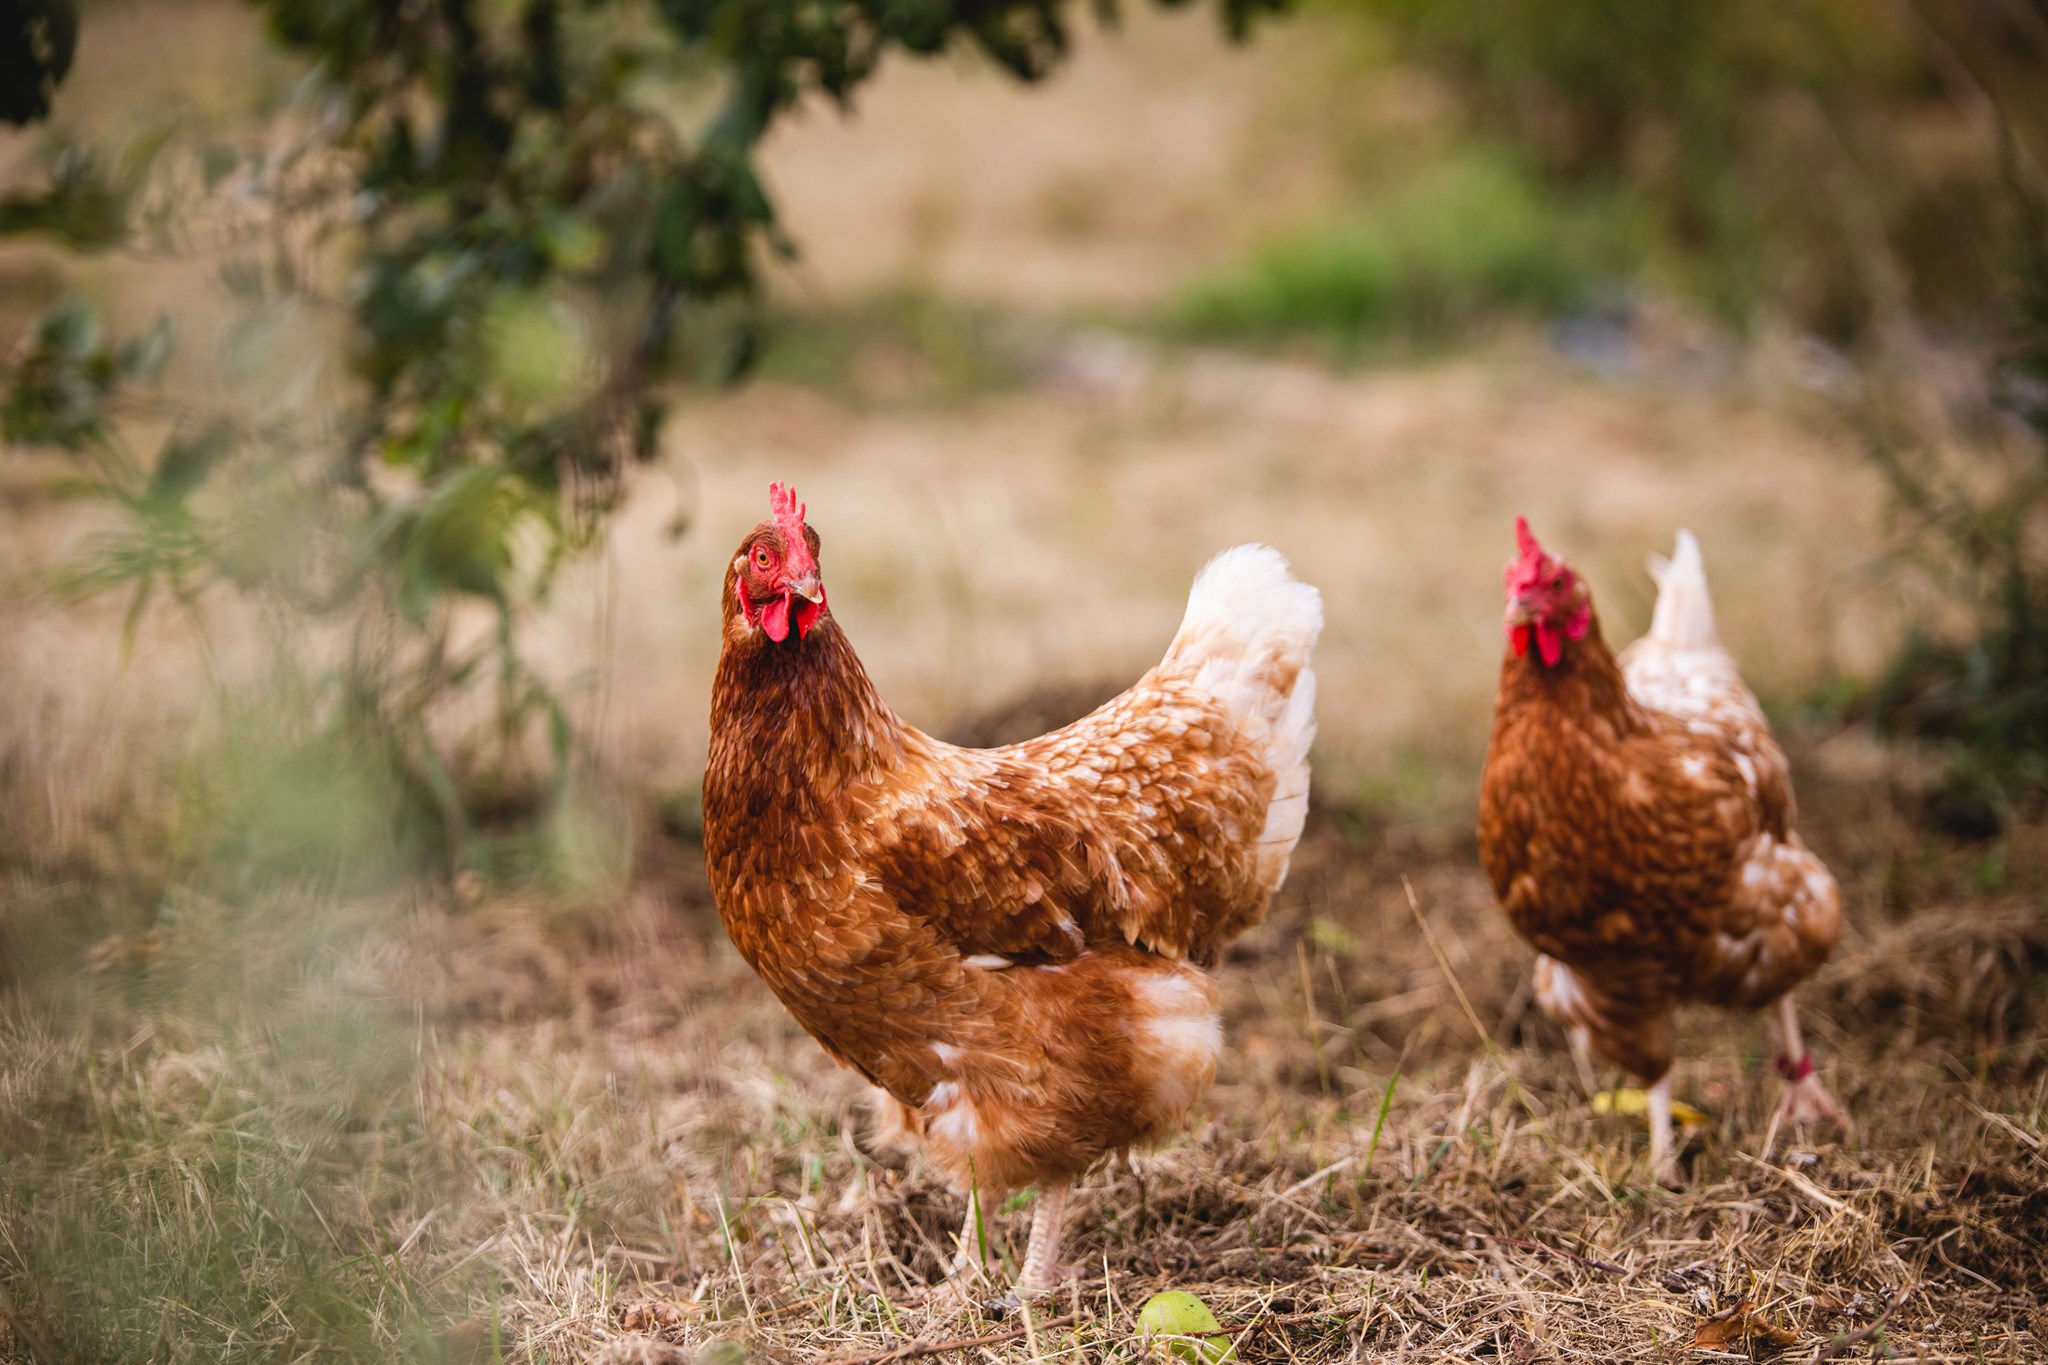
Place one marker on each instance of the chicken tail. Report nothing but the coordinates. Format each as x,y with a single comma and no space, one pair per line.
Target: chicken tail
1246,638
1684,617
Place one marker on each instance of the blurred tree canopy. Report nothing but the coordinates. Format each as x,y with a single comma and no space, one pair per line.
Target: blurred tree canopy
529,219
37,39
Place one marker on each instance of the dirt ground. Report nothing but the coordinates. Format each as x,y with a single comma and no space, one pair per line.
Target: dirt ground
609,1142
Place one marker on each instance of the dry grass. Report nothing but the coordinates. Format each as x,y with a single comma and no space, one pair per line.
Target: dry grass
553,1136
625,1148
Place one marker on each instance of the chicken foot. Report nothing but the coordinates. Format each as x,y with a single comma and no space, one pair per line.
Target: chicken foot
1041,1272
1806,1100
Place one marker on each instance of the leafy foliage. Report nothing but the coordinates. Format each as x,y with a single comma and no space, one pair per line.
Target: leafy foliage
37,40
533,221
1980,523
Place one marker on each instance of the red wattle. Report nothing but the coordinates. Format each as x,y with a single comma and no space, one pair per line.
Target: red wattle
807,614
1550,641
1520,636
775,619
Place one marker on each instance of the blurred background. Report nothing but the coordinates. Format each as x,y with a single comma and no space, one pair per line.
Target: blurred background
384,386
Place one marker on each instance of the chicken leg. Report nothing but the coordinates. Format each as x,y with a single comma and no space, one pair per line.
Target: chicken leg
1042,1270
971,1252
971,1257
1663,1158
1582,1058
1806,1100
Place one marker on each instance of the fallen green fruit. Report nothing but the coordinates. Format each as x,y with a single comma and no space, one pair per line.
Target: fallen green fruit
1190,1330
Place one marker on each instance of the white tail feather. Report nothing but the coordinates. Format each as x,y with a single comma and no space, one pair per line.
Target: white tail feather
1249,630
1684,617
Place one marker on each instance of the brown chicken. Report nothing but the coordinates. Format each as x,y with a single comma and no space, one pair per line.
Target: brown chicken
1013,945
1636,820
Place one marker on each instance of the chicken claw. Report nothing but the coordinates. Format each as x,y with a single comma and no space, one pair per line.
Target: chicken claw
1806,1101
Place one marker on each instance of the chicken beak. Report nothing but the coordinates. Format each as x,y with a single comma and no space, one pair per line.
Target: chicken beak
809,588
1521,612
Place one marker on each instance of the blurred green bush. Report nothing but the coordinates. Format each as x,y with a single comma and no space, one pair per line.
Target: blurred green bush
1820,163
1471,236
1975,514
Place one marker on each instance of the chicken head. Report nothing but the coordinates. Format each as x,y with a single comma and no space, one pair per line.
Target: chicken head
776,573
1547,600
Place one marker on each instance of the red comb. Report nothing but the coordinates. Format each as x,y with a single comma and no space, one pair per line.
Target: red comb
1529,565
788,515
783,506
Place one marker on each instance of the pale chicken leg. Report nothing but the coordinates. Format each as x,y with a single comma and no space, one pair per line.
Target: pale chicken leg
1663,1155
1582,1058
969,1269
1042,1270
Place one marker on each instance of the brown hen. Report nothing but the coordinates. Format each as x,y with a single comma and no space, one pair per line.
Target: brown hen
1013,945
1636,820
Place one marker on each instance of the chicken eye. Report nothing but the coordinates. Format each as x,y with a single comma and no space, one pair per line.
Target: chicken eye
760,558
1557,583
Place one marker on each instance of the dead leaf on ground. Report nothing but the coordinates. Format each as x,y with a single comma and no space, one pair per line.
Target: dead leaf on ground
1744,1322
652,1315
1633,1103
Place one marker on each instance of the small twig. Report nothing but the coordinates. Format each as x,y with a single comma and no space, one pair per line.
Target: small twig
912,1349
732,1252
1834,1346
1298,1186
2006,1123
1572,1256
1259,1318
1806,1187
1946,1260
1443,961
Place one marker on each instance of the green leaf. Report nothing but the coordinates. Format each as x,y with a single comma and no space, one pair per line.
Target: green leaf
144,357
187,458
132,621
574,243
